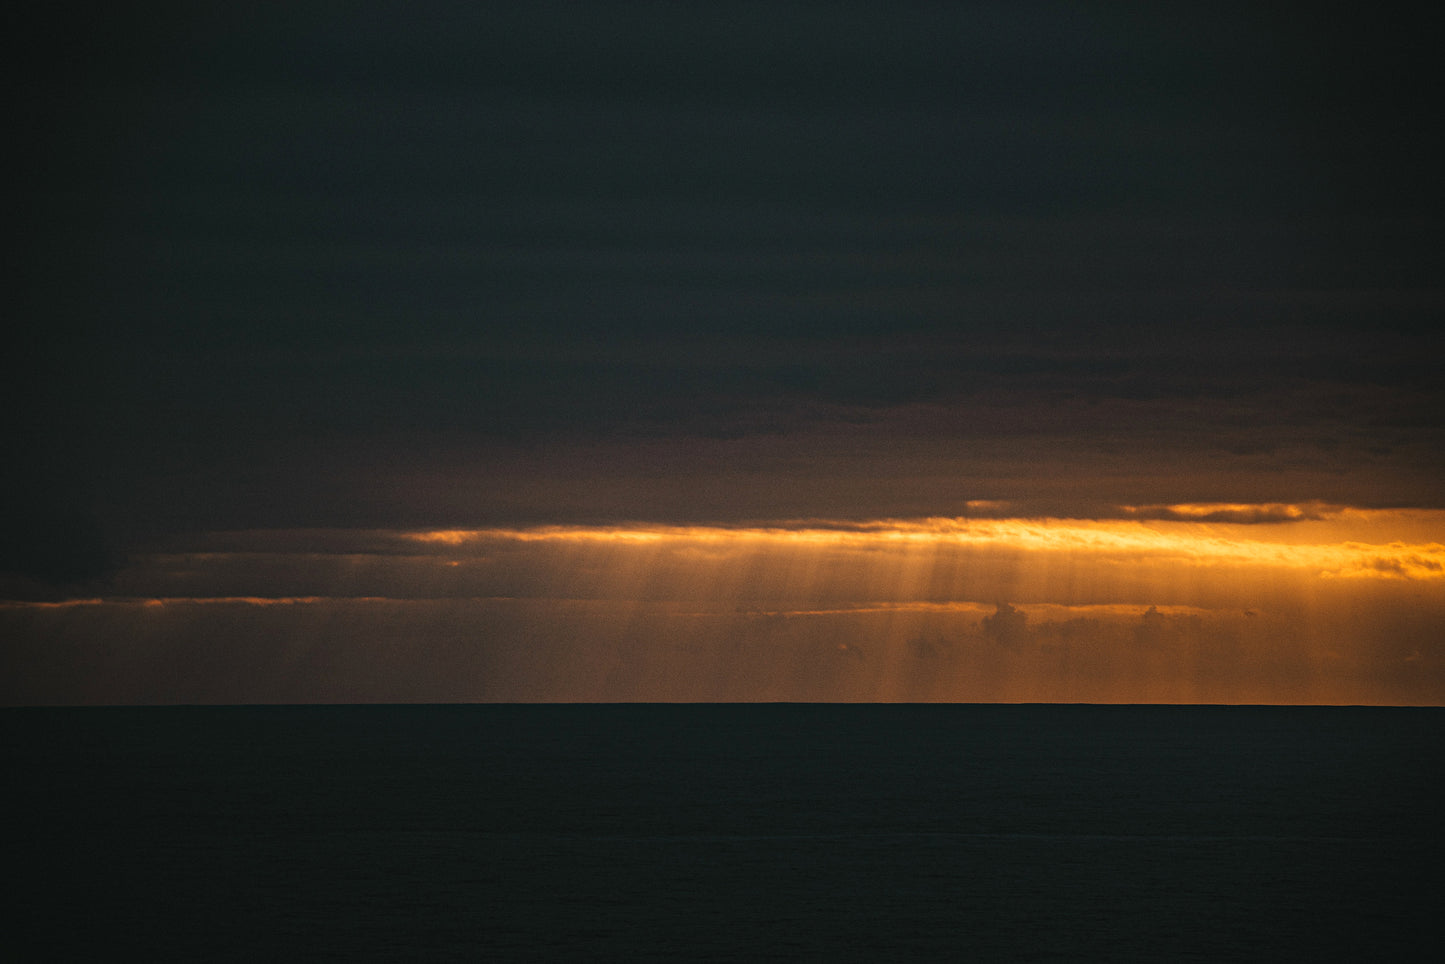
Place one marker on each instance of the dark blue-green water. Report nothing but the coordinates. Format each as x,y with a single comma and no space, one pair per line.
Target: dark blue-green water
736,832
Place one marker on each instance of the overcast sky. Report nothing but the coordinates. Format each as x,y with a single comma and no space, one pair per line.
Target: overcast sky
429,266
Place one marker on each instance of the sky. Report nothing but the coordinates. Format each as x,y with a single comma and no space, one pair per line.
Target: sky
733,351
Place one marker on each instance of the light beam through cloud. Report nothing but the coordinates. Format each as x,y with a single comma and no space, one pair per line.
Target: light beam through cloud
1324,604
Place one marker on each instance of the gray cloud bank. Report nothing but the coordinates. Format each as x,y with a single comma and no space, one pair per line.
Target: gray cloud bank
466,266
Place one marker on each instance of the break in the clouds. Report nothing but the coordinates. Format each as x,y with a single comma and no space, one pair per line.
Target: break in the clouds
321,277
1342,609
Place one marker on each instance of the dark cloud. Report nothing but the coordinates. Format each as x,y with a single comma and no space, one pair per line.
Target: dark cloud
459,265
1156,629
1006,625
1269,513
923,647
48,548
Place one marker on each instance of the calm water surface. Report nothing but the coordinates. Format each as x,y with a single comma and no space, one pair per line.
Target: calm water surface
729,832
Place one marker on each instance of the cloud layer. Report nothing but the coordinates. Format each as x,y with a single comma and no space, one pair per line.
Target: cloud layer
1145,303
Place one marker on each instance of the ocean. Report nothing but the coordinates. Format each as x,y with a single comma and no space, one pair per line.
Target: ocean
727,832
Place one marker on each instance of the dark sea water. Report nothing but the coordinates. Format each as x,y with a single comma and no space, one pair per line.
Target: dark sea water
734,832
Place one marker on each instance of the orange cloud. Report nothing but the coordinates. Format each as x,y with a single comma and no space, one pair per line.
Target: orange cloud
1196,536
